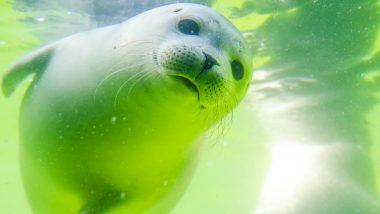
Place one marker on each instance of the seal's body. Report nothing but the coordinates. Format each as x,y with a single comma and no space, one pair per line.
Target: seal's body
111,120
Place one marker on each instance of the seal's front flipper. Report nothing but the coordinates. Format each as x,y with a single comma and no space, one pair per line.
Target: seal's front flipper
34,62
103,203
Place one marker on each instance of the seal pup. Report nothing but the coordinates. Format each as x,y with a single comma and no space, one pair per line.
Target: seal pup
112,119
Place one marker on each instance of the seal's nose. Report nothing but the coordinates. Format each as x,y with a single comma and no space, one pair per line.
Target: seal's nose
209,62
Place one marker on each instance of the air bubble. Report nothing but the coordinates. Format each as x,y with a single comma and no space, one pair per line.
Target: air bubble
122,195
40,19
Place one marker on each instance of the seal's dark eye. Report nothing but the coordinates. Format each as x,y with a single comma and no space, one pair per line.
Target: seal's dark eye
237,70
189,27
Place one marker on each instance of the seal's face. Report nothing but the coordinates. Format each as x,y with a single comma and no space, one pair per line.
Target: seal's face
200,48
208,54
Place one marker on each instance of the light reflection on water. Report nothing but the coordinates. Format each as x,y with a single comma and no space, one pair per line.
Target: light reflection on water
313,89
313,99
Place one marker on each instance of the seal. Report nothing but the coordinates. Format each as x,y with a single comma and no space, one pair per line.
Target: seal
113,118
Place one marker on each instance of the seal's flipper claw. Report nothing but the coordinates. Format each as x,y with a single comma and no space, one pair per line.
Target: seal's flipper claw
34,62
103,203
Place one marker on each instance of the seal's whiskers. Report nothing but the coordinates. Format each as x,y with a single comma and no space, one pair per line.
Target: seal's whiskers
141,78
119,71
136,75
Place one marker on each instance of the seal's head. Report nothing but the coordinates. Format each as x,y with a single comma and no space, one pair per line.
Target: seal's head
197,46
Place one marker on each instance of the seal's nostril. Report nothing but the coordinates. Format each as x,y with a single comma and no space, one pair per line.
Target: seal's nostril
209,62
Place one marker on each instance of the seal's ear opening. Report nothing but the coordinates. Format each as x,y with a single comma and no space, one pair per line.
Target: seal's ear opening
33,63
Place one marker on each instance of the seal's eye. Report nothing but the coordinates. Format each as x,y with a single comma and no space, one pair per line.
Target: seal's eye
237,70
189,27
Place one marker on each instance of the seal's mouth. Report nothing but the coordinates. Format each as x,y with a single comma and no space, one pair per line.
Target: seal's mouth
190,84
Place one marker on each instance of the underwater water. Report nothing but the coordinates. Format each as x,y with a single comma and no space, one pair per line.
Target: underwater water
307,130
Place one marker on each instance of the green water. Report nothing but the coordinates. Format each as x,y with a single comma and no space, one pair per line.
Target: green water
317,81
